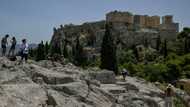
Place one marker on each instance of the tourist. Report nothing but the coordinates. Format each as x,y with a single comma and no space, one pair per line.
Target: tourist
124,73
13,46
168,96
24,50
4,44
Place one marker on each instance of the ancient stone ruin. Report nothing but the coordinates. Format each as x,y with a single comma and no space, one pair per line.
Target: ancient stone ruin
130,30
143,21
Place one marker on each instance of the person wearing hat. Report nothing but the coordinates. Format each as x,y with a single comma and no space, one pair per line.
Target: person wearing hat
4,44
168,96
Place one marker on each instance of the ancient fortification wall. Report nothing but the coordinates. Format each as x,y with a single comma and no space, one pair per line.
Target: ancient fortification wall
124,17
143,21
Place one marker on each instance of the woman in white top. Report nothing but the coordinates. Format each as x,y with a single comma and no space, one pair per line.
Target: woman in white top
24,50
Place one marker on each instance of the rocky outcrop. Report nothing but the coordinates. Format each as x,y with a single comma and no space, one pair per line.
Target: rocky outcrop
90,34
105,77
135,93
39,84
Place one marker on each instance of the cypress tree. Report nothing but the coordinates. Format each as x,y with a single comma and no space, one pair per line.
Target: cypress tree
79,54
185,37
31,53
165,49
38,52
108,51
186,45
158,43
146,43
91,38
55,50
47,47
65,51
40,55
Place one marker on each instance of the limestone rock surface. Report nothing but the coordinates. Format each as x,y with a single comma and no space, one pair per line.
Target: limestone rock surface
40,84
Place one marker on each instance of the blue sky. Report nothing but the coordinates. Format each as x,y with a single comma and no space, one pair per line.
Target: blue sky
35,19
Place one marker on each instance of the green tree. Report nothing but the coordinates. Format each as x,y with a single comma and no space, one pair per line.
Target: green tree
186,46
65,51
79,54
40,52
55,50
165,49
31,53
158,43
126,56
155,72
108,51
47,47
174,70
185,37
184,34
146,42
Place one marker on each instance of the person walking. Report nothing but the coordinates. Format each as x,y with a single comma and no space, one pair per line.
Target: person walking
13,46
24,50
4,44
168,96
124,73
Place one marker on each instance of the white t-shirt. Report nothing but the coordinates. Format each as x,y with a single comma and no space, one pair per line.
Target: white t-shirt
24,48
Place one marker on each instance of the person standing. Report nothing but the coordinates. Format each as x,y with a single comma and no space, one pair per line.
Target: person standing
168,96
4,44
24,50
13,45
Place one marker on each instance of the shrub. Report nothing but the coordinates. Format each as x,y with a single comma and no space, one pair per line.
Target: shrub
172,56
186,70
126,57
150,54
174,70
186,59
133,69
40,52
155,72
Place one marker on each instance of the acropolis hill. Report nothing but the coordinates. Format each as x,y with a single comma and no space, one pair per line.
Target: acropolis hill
129,30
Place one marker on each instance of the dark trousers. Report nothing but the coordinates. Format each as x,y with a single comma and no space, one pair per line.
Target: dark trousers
3,50
12,50
24,56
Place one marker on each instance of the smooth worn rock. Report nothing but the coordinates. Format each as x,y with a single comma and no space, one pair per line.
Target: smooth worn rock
22,95
105,77
38,85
